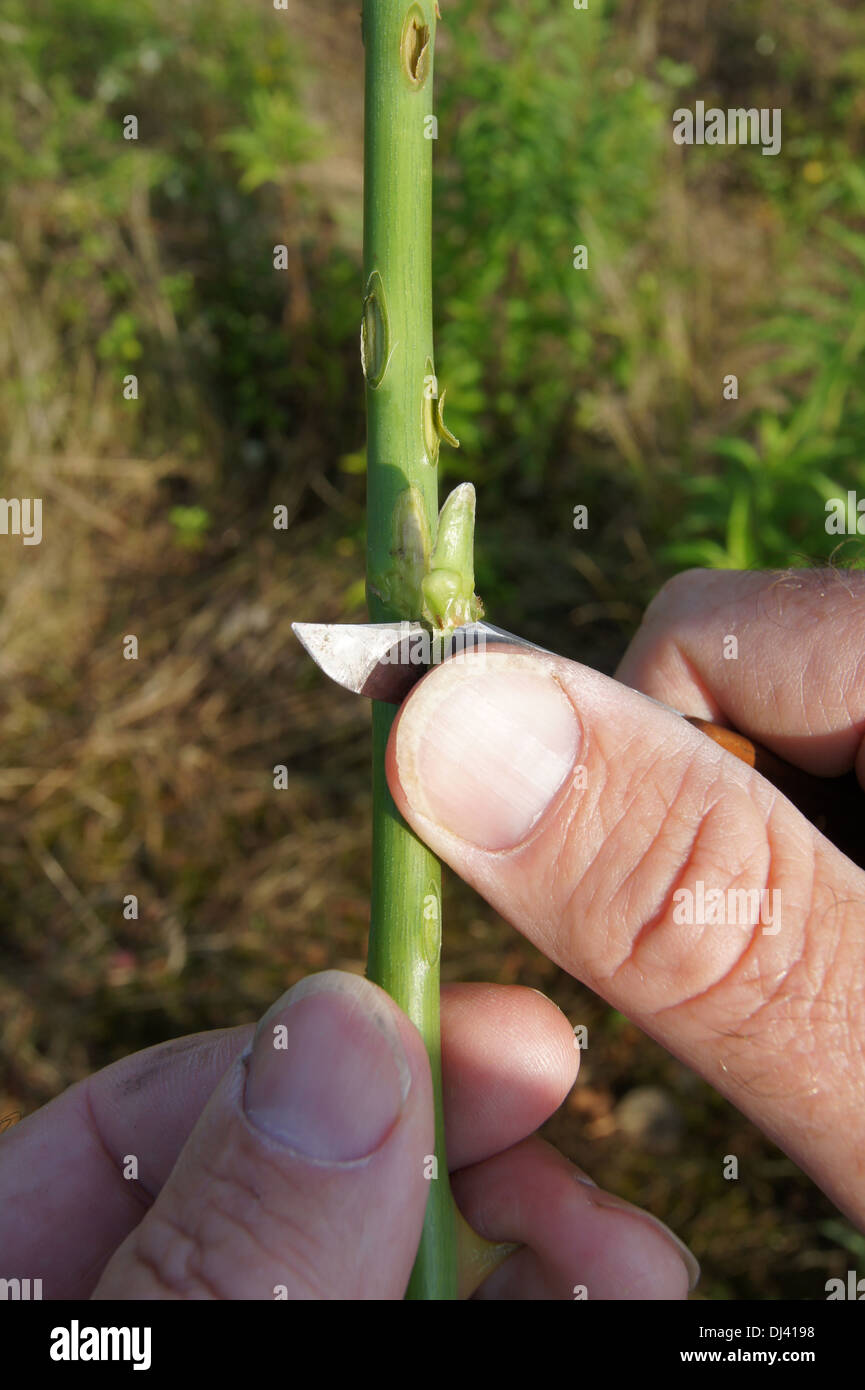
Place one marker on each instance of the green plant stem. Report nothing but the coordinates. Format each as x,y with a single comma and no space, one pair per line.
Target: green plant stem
405,927
404,947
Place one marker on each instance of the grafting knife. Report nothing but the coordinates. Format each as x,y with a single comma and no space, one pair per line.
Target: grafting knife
384,661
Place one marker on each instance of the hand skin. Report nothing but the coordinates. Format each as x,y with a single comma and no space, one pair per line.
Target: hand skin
297,1171
484,763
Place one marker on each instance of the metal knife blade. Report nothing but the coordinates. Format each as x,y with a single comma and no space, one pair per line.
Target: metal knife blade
383,661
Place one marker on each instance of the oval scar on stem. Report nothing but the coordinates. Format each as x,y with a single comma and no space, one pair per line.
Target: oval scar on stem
374,332
441,428
428,413
431,926
415,47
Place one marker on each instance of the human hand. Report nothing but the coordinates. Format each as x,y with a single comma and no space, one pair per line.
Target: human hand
589,817
298,1171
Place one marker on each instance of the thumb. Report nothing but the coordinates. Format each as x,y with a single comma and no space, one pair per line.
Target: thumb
303,1178
590,817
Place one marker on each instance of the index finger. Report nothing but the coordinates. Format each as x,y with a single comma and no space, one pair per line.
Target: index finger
781,657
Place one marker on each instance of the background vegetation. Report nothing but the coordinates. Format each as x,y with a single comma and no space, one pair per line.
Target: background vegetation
601,387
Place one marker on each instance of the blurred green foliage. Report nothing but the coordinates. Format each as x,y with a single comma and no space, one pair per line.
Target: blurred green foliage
554,142
564,384
160,251
767,506
191,525
546,144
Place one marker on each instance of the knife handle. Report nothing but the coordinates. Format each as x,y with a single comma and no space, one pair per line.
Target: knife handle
835,805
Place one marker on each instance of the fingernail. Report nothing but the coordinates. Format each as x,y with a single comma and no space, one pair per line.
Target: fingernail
327,1074
483,752
600,1198
584,1178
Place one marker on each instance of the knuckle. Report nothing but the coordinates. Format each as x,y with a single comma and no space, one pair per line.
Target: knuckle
678,593
685,877
172,1260
800,1029
225,1241
706,900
